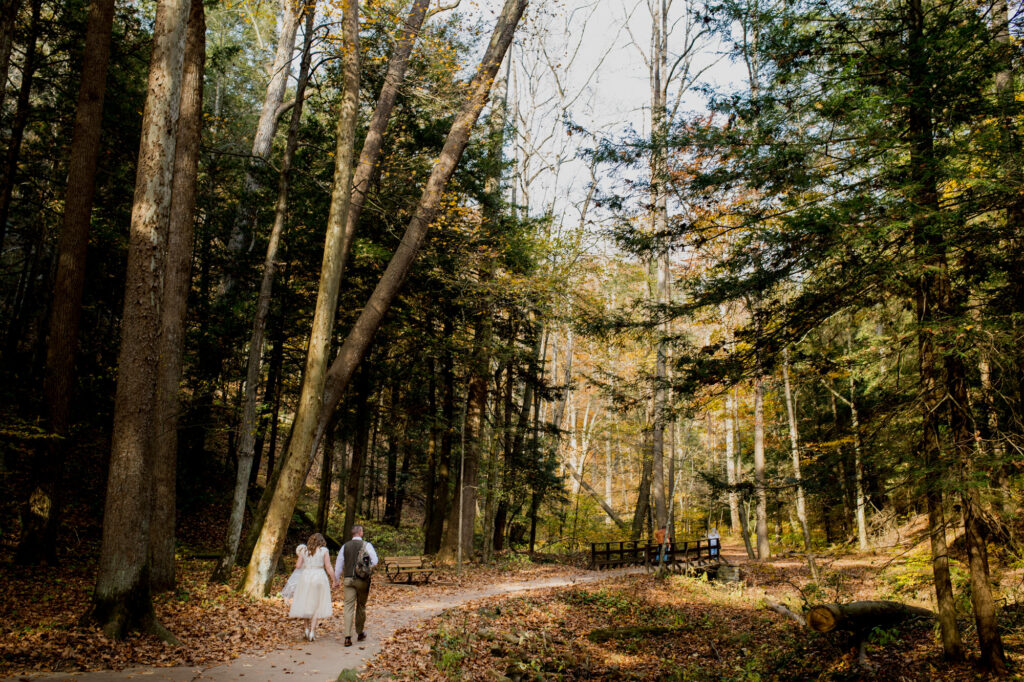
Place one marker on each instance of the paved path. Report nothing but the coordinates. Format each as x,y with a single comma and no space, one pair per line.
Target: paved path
323,659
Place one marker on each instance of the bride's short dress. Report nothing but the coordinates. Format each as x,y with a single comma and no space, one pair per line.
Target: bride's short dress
308,587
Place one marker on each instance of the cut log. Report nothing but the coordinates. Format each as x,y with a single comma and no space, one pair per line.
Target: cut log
860,616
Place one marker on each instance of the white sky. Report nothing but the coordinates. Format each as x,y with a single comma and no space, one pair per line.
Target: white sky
605,80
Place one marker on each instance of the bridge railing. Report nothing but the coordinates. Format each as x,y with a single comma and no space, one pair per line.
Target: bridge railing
635,553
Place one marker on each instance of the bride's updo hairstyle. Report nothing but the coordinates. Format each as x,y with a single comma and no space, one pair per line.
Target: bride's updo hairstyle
315,542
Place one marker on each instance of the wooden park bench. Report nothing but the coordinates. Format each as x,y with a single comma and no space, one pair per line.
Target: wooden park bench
409,566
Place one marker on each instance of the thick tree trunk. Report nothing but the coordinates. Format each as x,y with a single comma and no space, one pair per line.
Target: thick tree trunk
39,533
643,499
177,284
21,112
121,600
300,452
862,616
247,428
360,446
760,490
659,76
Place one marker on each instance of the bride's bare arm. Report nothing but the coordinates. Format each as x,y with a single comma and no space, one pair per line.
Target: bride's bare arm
330,571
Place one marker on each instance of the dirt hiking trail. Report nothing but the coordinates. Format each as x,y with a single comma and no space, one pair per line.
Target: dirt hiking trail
325,658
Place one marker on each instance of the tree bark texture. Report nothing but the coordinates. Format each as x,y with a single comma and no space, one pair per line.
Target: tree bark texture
254,366
862,616
177,284
39,532
121,600
643,498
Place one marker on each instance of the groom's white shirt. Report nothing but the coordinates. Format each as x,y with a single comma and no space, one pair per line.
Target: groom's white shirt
339,564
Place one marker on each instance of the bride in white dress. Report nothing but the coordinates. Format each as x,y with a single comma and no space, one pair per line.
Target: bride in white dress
309,586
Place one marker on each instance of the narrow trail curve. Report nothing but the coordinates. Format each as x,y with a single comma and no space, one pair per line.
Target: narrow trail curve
323,659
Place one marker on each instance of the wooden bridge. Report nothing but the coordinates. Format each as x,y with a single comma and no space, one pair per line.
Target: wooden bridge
682,556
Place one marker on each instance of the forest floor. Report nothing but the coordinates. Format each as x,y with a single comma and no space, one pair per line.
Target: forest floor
41,633
514,620
688,628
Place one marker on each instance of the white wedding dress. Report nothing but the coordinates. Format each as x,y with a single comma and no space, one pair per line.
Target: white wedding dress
309,587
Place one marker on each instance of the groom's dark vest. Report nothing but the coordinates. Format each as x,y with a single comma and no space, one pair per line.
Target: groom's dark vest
350,550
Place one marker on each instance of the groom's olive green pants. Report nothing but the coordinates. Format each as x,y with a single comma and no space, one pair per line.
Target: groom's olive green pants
356,592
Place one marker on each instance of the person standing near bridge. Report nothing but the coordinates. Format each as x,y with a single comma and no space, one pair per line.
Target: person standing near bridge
714,542
659,539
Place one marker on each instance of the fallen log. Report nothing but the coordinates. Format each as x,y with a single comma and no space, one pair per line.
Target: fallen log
860,616
857,618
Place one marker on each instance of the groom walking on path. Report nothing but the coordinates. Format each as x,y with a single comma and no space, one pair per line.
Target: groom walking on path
356,558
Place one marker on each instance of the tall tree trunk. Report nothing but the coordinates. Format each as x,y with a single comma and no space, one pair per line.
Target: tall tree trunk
858,461
268,548
122,599
9,10
247,428
794,444
760,490
391,472
744,520
730,464
39,533
360,447
463,511
20,120
659,217
927,303
323,506
262,145
177,284
643,499
435,530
